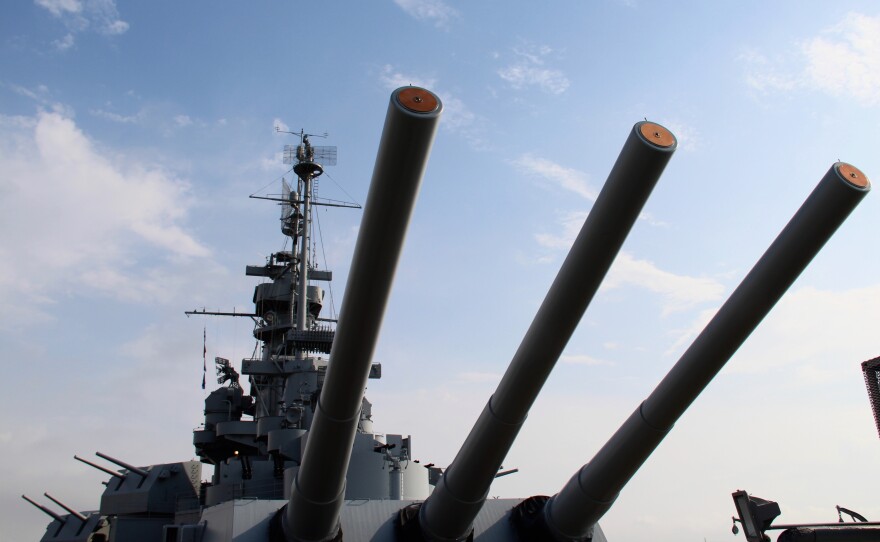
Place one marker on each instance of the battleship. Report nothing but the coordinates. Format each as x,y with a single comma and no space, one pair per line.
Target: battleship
289,453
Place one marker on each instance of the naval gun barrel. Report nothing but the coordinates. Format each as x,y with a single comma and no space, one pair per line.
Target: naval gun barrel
571,514
99,467
72,512
45,510
140,472
450,510
317,493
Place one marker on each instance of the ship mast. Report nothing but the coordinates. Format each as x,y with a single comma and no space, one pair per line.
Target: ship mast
306,169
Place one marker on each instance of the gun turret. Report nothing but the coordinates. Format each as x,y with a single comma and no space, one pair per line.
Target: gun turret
572,513
317,493
140,472
451,509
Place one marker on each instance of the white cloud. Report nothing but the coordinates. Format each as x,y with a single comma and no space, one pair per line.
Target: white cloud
846,61
529,70
116,27
116,117
678,292
101,16
64,43
60,7
75,217
566,178
274,163
583,359
571,224
687,136
429,10
279,125
182,120
843,61
771,75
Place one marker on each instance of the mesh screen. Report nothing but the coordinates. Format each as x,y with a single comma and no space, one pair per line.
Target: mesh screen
871,370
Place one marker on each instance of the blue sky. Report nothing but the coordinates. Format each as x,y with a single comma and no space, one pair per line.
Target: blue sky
131,134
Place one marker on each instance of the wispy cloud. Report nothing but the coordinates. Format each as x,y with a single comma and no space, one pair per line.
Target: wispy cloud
435,11
583,359
561,176
687,136
39,94
529,69
116,117
182,120
98,212
78,16
64,43
766,75
60,8
571,180
844,61
678,292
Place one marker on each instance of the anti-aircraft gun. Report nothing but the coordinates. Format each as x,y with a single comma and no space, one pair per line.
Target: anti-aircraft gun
308,466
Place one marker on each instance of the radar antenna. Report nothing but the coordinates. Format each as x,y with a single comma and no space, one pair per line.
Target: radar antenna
306,152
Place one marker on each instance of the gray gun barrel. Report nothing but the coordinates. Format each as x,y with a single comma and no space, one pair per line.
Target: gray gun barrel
72,512
571,514
449,511
47,511
99,467
318,490
140,472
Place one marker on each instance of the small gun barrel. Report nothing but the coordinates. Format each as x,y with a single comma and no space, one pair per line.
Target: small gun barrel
450,510
72,512
318,490
571,514
99,467
140,472
43,509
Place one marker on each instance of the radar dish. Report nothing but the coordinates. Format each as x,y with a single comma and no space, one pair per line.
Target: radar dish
322,154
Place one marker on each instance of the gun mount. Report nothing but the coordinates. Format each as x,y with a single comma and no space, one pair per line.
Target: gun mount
296,459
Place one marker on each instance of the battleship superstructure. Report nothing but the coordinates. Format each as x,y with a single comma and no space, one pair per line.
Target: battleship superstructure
296,458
